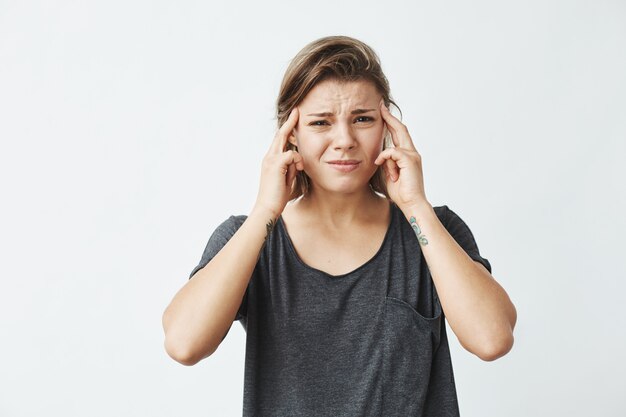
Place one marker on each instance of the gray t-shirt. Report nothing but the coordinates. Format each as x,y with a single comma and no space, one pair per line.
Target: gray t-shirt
371,342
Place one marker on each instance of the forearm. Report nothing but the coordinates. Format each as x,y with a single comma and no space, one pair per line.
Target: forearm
477,308
203,310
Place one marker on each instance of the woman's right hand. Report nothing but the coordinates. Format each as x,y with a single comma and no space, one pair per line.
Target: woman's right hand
279,169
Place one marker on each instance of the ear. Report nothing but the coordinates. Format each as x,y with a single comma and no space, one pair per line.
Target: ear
292,139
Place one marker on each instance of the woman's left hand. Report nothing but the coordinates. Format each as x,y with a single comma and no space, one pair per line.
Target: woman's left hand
403,164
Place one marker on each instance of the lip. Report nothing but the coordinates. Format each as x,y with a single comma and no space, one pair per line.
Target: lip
344,161
346,165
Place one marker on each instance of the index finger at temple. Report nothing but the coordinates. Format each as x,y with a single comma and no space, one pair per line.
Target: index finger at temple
285,130
399,131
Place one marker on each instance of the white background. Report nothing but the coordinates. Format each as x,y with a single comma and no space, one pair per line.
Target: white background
130,130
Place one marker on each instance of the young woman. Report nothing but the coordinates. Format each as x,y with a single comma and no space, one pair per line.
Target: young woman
343,272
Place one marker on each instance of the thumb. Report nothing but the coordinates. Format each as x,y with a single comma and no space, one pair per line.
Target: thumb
391,169
291,174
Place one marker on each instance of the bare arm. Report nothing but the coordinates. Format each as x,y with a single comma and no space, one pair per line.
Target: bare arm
478,309
197,319
202,311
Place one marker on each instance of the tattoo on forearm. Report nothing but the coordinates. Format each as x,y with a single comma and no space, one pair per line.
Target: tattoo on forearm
269,226
418,232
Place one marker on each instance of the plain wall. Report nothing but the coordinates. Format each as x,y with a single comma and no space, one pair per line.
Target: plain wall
130,130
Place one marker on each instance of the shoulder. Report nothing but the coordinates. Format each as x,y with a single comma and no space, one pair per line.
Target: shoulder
229,226
443,213
449,218
453,223
220,236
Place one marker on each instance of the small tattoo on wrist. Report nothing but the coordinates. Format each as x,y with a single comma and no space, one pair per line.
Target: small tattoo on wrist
269,226
418,232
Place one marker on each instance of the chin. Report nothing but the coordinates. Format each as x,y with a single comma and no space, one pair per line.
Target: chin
342,184
347,186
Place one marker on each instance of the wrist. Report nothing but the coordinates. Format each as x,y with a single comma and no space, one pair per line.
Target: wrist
420,211
264,212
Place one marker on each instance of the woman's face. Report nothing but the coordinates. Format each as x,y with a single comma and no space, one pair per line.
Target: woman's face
340,121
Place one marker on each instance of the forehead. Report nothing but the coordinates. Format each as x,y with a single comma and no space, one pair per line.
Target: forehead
332,93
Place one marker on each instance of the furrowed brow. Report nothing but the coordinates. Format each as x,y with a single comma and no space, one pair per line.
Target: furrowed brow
329,114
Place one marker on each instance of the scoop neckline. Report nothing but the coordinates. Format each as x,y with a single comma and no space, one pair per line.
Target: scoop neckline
292,249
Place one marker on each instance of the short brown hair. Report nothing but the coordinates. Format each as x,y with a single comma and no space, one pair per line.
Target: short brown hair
339,58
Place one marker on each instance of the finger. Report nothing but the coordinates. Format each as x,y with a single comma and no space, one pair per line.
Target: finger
386,127
291,174
399,132
280,139
394,138
388,159
392,169
296,159
386,172
389,153
290,158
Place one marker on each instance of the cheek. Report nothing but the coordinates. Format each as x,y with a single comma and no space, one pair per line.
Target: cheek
310,147
376,144
375,153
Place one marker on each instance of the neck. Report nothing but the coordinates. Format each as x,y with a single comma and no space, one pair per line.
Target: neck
342,210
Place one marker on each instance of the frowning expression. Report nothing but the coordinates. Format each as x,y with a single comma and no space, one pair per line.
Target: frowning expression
340,121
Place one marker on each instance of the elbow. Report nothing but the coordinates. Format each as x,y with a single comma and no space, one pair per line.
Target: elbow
496,349
500,344
179,355
183,354
174,350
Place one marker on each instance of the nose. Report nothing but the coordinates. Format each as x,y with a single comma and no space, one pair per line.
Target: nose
344,138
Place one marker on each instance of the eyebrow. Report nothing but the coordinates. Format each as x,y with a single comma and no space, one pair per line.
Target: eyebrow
329,114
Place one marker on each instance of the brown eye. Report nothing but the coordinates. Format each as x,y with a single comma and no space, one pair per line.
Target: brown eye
317,121
367,118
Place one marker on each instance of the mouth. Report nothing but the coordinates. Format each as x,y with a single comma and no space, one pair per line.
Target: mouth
344,161
345,165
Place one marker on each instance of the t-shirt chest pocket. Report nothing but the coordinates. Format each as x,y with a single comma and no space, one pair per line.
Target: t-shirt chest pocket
409,343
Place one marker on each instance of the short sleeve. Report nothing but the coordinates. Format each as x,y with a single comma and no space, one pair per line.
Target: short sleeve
463,236
221,235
